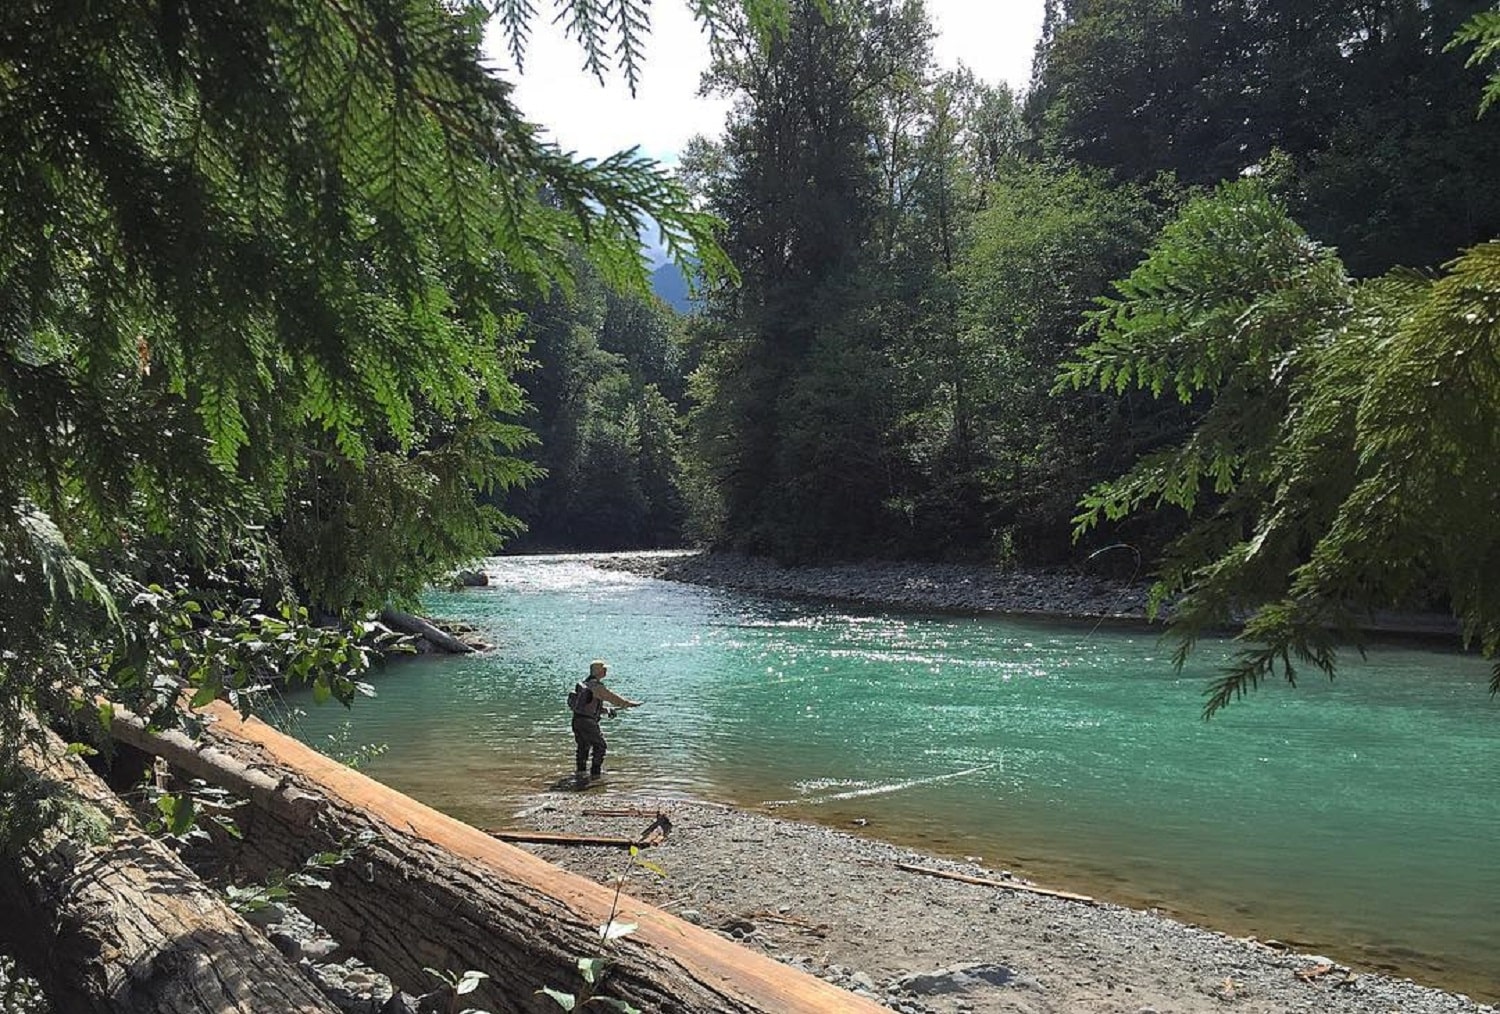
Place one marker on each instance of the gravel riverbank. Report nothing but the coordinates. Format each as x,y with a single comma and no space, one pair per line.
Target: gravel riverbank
840,907
975,588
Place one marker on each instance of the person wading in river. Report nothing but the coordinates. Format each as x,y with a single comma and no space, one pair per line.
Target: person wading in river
588,698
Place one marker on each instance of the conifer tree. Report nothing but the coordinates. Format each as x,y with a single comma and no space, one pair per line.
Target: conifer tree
259,264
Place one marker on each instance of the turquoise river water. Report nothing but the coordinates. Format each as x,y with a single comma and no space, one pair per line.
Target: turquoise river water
1358,818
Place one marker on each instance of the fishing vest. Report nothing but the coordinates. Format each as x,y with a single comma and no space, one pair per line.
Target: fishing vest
582,700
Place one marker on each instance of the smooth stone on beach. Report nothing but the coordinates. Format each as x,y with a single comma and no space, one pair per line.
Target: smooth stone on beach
959,979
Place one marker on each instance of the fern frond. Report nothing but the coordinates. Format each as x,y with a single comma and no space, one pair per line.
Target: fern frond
583,22
515,18
67,578
1482,31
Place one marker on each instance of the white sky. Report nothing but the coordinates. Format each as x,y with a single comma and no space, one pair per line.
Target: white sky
994,38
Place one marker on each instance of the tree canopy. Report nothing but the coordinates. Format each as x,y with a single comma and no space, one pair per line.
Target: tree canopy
1346,458
258,331
1365,98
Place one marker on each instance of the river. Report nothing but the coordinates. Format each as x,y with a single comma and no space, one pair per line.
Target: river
1358,818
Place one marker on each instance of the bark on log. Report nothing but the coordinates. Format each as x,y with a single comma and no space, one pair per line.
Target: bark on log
406,623
429,891
123,926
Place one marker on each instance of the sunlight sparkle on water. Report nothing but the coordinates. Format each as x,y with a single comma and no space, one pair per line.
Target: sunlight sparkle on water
1083,746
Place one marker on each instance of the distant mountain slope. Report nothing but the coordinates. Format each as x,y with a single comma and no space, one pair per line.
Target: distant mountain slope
671,285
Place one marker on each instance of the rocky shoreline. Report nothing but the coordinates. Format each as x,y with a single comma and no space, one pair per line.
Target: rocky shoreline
1064,593
886,923
941,587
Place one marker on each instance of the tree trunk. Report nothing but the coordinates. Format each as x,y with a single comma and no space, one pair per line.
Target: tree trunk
429,891
406,623
120,925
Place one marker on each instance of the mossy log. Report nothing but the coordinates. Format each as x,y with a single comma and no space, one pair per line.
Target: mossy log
428,891
110,921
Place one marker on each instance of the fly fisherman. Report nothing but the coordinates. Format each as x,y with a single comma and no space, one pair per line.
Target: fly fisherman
588,698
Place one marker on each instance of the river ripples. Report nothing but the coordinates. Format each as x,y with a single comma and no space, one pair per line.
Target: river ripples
1358,816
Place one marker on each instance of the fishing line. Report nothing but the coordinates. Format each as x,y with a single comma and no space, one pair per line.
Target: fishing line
1114,606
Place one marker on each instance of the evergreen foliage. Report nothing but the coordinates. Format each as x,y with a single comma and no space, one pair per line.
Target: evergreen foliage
1375,116
879,383
1345,462
839,217
1044,248
606,388
260,267
1345,459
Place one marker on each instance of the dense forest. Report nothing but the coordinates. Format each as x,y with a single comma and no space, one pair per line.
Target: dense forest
1184,280
920,252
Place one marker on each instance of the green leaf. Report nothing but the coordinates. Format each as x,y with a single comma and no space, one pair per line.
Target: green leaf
567,1001
653,866
179,812
469,982
615,1002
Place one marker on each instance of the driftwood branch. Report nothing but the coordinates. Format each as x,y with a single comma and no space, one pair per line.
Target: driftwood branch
1009,885
559,838
416,626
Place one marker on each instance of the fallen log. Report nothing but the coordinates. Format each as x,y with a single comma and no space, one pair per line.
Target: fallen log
416,626
429,891
1009,885
115,923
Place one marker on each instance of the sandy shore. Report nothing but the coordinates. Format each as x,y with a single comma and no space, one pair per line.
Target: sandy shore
840,907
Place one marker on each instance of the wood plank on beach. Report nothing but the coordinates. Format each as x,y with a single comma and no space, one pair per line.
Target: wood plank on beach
556,838
1009,885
